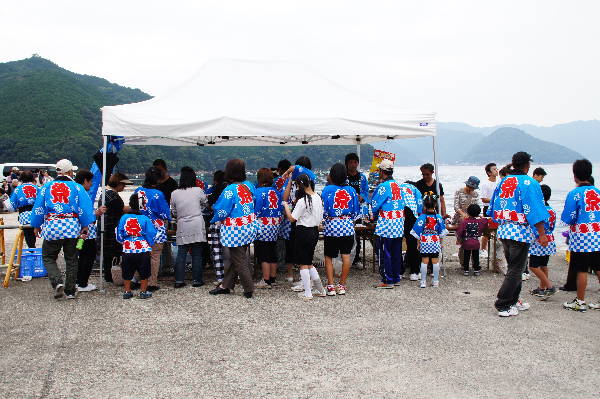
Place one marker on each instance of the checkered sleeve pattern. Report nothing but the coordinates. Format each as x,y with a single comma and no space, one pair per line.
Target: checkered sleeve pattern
24,218
430,247
236,236
285,228
538,250
515,231
58,229
390,228
92,231
338,227
267,232
584,242
216,250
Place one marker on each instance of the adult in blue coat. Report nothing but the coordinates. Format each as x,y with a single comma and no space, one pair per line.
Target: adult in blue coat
62,212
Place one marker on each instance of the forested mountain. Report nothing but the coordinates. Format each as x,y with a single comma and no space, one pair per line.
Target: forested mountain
48,113
504,142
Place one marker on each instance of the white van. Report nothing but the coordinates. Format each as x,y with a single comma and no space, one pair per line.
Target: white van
6,168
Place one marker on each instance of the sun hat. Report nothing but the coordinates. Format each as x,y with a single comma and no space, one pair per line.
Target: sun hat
472,182
64,166
386,165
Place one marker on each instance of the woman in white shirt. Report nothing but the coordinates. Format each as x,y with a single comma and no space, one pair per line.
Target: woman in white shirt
307,213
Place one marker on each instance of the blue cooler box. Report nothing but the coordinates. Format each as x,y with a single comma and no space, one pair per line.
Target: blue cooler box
32,263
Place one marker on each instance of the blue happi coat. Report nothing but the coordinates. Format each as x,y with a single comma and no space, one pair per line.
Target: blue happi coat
536,248
23,196
340,208
61,208
429,229
136,233
298,170
154,205
582,214
235,209
268,209
388,207
517,204
413,198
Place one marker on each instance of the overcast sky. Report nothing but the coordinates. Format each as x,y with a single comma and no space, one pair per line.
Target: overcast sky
480,62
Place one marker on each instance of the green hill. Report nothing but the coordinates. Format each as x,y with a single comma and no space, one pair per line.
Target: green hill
50,113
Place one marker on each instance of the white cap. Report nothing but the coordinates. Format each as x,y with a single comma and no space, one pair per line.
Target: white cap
64,166
386,164
15,169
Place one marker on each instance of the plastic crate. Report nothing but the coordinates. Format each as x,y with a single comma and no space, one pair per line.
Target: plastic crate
32,263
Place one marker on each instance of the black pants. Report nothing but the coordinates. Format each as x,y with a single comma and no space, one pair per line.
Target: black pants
471,254
87,256
357,255
412,258
29,237
515,253
50,251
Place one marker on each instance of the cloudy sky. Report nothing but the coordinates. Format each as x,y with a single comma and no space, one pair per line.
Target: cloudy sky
480,62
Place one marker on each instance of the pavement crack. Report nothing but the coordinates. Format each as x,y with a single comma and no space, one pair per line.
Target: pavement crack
56,358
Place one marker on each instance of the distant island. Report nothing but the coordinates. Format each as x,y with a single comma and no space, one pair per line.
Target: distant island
50,113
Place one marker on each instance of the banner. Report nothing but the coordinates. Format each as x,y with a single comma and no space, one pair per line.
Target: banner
378,156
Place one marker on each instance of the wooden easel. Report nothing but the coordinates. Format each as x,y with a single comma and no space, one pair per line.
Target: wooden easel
2,244
13,267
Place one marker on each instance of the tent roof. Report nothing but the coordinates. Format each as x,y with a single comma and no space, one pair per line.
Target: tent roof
236,102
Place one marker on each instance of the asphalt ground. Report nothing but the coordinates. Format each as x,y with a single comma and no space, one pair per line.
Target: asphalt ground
445,342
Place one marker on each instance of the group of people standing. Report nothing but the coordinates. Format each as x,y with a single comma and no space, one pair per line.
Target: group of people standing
282,215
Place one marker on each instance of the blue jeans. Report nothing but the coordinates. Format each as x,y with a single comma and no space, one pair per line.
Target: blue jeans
390,259
182,251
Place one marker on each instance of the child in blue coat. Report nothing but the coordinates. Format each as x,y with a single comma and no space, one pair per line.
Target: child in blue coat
341,207
137,233
429,230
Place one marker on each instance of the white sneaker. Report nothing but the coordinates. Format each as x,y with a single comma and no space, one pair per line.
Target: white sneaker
521,306
262,285
413,277
483,253
423,284
298,287
595,306
59,291
525,276
512,311
289,279
87,288
320,294
435,284
306,298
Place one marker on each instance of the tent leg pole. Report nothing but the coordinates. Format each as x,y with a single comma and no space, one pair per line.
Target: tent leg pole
439,201
358,153
103,183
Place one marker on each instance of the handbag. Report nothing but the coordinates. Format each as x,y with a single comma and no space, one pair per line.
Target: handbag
116,271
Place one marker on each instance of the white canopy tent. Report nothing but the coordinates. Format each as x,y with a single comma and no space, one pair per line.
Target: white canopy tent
261,103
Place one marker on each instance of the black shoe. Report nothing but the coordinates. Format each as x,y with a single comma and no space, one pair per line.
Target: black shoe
219,291
565,288
153,288
178,285
248,294
196,285
135,286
